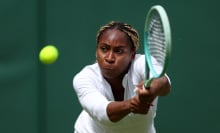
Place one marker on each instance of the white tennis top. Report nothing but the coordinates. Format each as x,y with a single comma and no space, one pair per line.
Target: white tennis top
95,94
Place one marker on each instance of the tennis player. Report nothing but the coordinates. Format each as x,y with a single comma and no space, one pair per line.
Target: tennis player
105,89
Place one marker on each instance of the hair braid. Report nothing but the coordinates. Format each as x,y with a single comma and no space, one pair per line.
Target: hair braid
126,28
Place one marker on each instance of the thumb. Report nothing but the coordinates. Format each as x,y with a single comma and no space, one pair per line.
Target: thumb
143,91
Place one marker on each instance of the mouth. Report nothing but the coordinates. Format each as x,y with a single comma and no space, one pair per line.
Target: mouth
108,68
108,72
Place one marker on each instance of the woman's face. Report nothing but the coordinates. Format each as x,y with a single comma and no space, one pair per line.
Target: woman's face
114,53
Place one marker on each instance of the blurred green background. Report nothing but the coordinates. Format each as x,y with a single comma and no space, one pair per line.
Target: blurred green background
37,98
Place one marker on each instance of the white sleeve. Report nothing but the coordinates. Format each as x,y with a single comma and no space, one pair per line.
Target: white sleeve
158,69
91,100
139,68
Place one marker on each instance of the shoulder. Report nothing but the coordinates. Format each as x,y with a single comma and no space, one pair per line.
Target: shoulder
137,69
89,72
139,61
89,69
139,57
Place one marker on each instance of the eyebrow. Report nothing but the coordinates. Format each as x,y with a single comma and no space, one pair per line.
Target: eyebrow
119,45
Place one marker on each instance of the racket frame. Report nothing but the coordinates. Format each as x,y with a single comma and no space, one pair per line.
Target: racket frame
167,32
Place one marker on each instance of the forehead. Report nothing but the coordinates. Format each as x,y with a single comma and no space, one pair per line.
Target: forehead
114,36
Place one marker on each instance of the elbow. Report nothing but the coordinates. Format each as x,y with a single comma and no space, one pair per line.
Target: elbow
166,86
166,90
113,119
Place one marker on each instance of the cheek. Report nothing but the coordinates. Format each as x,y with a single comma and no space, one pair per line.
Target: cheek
99,58
125,62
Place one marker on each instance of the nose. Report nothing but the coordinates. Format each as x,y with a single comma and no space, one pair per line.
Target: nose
110,58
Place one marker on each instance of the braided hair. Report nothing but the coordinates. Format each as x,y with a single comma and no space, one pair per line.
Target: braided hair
126,28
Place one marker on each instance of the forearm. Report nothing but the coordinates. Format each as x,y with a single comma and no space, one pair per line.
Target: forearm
118,110
160,86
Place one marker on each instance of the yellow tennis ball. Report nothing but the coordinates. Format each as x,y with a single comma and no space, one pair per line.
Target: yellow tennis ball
48,54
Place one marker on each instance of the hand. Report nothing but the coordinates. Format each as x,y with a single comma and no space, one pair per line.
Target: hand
143,101
160,86
145,96
138,107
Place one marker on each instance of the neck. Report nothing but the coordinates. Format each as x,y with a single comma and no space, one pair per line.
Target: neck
117,88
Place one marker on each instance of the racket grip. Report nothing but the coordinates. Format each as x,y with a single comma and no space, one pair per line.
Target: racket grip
147,84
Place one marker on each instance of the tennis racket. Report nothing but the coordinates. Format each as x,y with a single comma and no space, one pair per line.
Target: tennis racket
157,44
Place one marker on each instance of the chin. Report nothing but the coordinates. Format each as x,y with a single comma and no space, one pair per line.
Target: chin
109,75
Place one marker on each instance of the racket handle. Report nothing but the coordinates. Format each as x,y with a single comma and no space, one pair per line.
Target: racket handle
147,83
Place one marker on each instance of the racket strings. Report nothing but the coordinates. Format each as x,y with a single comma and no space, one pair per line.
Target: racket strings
156,40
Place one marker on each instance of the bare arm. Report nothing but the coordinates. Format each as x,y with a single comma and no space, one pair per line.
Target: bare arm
141,103
160,86
118,110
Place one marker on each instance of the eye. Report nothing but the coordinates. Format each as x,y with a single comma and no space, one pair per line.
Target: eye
119,51
103,48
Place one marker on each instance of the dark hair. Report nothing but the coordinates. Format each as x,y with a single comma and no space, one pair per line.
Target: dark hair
126,28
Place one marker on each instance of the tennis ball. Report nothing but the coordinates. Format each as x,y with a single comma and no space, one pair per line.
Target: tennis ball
48,54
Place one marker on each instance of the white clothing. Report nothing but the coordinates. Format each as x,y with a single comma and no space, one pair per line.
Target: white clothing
95,94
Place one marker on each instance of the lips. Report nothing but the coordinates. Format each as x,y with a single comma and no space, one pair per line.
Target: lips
107,71
108,68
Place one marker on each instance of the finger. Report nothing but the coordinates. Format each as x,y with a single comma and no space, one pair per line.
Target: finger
150,104
143,92
136,90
